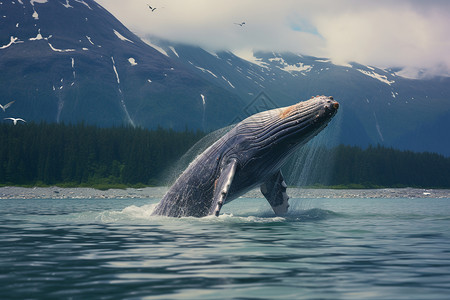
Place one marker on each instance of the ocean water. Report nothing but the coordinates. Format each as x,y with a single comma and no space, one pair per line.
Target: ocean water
324,249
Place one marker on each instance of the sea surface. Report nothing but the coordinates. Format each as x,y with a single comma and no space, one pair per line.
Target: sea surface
326,248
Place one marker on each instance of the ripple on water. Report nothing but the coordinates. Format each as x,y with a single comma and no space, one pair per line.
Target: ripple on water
324,249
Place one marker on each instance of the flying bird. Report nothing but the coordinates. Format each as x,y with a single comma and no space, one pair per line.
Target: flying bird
4,107
151,8
15,120
240,24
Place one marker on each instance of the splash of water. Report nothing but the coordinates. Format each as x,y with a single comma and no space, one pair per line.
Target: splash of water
313,163
172,173
241,213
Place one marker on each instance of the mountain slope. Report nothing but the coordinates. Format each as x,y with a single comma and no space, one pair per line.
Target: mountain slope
377,105
72,61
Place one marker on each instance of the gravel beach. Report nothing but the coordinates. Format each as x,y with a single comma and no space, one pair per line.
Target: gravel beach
158,192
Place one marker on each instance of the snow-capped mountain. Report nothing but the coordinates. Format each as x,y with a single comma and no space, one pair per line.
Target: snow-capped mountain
377,106
72,61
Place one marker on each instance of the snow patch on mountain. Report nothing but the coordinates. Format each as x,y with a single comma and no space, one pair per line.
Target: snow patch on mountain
382,78
38,36
82,2
156,47
257,75
115,70
132,61
203,99
323,60
122,37
60,50
174,51
36,1
35,15
297,67
250,57
228,82
204,70
89,39
62,84
73,68
67,5
213,54
204,110
13,40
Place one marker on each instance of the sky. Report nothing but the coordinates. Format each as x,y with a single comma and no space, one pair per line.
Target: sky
413,35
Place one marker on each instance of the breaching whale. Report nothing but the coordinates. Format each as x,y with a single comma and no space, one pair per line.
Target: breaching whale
249,155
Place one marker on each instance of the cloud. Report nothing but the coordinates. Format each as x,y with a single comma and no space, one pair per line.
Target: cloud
412,35
394,36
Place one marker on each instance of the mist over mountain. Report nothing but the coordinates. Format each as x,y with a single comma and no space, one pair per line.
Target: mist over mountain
71,61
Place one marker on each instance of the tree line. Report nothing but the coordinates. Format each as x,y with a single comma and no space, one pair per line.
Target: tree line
374,167
81,154
381,166
84,155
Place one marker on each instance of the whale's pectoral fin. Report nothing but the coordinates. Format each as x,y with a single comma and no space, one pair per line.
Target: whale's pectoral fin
222,186
274,189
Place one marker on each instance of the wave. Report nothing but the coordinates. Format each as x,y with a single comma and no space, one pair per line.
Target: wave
143,214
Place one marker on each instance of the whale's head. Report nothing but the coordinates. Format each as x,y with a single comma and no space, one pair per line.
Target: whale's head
275,134
295,125
304,118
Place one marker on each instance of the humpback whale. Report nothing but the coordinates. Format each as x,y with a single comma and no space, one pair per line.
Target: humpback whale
249,155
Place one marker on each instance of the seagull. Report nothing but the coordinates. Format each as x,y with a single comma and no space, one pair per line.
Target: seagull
4,107
240,24
15,120
151,8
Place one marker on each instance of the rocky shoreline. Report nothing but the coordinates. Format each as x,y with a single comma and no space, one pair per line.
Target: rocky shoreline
158,192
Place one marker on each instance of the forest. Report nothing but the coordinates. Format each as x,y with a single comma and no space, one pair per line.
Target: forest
82,155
